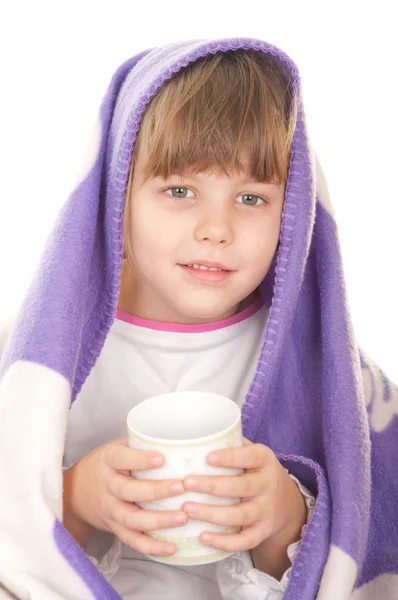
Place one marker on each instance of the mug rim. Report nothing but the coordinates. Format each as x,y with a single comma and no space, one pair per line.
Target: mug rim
196,441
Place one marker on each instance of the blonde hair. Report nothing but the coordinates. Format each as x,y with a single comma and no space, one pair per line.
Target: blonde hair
213,109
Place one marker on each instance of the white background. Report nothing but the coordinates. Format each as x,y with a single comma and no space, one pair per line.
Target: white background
58,57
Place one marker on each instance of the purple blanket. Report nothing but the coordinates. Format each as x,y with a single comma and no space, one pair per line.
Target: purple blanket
316,399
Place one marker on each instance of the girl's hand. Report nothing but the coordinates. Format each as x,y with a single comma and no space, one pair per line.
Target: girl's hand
272,506
100,492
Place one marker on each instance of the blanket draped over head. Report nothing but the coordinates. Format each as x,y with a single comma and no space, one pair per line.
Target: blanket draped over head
325,409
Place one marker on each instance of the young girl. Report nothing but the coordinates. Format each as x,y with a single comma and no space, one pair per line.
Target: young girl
197,254
189,307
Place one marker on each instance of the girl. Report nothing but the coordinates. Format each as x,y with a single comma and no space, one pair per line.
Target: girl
189,278
196,253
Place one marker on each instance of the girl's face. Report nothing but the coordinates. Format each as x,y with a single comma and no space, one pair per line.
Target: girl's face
198,220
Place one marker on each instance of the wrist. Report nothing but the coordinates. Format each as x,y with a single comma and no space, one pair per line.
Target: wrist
271,555
72,521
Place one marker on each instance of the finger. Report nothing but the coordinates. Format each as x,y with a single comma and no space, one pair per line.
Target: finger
129,489
121,457
132,517
246,442
246,485
141,542
252,456
242,514
247,539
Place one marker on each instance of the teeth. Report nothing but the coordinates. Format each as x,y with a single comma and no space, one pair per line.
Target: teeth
204,268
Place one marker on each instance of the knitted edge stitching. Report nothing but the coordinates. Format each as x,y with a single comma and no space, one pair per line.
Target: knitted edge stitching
282,263
319,514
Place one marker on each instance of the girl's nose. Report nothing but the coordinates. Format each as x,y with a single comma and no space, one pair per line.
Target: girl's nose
215,229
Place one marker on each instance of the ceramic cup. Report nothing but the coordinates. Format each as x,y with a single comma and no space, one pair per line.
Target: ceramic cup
185,427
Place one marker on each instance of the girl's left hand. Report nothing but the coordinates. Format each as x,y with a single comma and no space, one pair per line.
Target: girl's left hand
271,506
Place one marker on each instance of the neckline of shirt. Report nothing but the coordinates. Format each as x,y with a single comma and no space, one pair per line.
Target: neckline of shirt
249,311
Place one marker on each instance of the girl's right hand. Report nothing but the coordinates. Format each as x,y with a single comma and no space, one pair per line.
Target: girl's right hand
100,492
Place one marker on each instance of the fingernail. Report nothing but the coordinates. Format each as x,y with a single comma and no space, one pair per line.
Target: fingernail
214,458
191,509
206,538
177,488
179,519
191,484
169,550
156,461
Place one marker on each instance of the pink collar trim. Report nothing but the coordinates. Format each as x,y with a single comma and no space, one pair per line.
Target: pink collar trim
196,328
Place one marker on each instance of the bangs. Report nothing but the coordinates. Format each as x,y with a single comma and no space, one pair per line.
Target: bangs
215,111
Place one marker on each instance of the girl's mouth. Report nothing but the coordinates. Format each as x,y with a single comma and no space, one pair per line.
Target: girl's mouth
207,274
205,268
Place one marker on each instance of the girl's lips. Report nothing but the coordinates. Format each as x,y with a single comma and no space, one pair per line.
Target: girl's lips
205,275
207,263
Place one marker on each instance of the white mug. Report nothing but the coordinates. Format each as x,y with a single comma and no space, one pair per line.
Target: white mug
185,427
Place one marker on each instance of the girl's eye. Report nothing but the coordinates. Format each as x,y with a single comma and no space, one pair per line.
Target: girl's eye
180,192
250,200
247,199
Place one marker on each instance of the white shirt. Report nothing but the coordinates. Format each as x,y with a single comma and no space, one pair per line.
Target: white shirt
140,359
